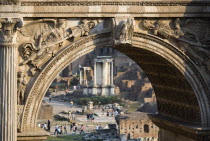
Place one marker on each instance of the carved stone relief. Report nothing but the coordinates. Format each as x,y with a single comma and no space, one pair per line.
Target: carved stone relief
21,86
45,39
19,116
8,29
122,30
39,41
190,35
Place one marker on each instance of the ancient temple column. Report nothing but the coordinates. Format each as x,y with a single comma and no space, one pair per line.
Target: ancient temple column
94,74
105,77
84,77
81,76
94,89
111,71
8,93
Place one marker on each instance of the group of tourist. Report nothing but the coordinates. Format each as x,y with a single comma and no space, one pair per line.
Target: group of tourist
112,113
61,130
91,117
45,126
74,128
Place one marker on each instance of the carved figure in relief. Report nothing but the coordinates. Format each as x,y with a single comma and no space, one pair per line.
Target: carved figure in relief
45,39
159,28
191,35
83,29
126,31
21,86
51,36
177,25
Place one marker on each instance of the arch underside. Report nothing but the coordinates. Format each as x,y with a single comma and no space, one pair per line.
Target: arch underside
177,98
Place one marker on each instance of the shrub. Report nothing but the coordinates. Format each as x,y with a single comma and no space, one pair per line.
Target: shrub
100,99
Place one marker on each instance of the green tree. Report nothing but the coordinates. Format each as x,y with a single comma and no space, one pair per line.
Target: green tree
74,81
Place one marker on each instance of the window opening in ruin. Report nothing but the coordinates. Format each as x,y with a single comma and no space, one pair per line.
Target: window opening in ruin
146,128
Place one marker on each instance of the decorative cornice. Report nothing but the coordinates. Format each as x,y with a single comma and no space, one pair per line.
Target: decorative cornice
8,2
115,3
131,13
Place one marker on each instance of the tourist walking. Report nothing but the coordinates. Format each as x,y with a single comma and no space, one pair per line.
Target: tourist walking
45,126
115,113
103,110
93,117
73,117
56,129
71,127
71,104
50,97
82,129
48,125
61,130
65,129
74,129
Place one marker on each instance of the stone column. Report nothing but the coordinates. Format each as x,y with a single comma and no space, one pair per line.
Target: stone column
94,79
111,72
8,93
105,73
94,88
81,76
108,74
84,77
8,80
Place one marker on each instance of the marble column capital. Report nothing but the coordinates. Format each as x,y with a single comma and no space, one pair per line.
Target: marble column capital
8,29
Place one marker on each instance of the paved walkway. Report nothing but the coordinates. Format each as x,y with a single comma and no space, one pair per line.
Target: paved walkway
101,119
60,106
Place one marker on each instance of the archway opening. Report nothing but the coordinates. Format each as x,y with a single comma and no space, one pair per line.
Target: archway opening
133,91
149,53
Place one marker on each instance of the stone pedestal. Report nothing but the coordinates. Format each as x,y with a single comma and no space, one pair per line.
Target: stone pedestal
90,105
177,131
39,135
8,92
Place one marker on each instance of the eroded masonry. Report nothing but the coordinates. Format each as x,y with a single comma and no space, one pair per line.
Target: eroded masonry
169,40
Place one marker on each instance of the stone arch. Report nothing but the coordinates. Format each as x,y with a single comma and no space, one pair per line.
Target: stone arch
140,42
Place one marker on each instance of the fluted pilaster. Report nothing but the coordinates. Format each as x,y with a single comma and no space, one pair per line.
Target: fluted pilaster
8,91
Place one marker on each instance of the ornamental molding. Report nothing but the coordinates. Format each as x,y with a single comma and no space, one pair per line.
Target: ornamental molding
115,3
8,3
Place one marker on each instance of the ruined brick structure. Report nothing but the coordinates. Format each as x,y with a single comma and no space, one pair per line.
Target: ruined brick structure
138,126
